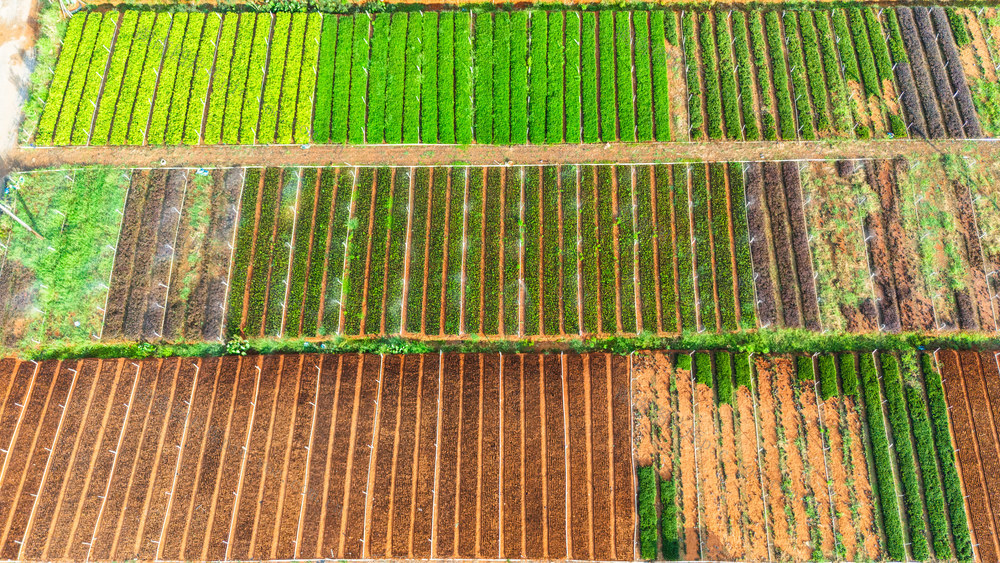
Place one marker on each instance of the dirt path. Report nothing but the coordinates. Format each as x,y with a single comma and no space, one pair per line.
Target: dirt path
414,155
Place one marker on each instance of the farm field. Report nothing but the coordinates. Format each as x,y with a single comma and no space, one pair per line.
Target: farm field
57,265
308,456
835,456
508,252
490,251
136,77
825,457
970,390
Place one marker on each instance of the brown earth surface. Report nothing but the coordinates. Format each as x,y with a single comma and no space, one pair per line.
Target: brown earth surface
233,459
418,155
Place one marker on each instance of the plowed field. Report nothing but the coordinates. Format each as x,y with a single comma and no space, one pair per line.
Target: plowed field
971,383
354,456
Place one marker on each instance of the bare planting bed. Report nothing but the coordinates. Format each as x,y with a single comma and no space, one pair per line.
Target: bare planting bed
354,456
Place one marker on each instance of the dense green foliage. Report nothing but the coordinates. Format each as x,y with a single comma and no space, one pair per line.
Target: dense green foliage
713,98
665,247
848,373
923,441
804,368
703,245
899,422
703,368
668,520
646,507
685,263
696,118
884,479
658,55
827,376
958,28
724,377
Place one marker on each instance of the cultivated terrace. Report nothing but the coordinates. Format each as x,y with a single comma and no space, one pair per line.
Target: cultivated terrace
591,282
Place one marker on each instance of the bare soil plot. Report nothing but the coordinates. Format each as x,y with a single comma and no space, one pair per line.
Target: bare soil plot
973,426
233,458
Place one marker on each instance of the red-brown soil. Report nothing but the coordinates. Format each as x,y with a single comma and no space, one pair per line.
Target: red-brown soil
769,454
489,496
974,435
757,539
273,457
579,449
687,490
839,474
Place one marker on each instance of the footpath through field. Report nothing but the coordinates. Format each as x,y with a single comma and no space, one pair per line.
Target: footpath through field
309,456
424,155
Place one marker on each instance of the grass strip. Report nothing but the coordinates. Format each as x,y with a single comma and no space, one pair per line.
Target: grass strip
411,90
703,245
456,234
474,251
884,479
626,247
484,78
255,79
624,86
463,78
418,246
446,78
395,79
606,58
396,254
588,65
554,102
723,247
435,249
501,78
84,66
270,102
383,216
429,82
606,250
357,254
220,79
375,124
537,75
530,241
264,248
551,275
574,125
685,262
243,252
590,251
300,252
357,105
281,253
98,63
511,250
665,248
491,256
318,253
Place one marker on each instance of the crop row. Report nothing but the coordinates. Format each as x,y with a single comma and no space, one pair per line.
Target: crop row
950,481
210,78
788,73
141,77
884,476
900,435
488,251
656,504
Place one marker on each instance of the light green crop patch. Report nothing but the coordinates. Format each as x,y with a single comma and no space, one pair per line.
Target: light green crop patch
60,250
